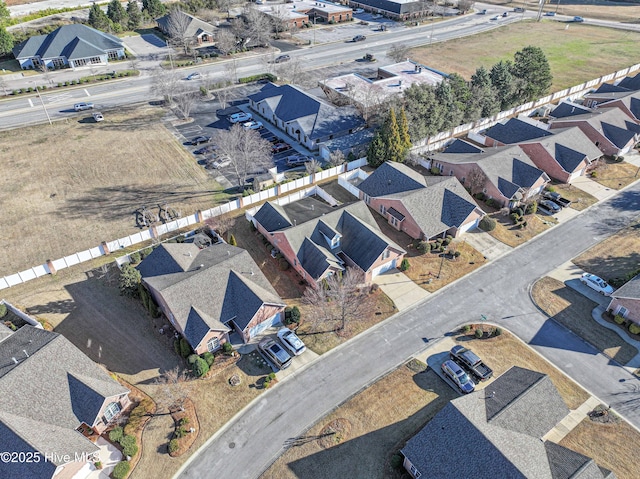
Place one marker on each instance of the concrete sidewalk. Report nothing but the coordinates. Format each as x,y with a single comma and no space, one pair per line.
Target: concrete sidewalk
634,363
571,420
486,244
402,291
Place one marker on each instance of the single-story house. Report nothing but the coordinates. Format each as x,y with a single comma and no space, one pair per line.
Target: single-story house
564,156
318,240
208,293
568,108
307,119
303,12
612,130
625,301
424,207
287,18
499,431
509,174
629,102
630,83
199,30
55,402
356,144
515,130
69,46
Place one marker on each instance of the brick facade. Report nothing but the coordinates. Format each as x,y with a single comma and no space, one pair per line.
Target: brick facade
632,306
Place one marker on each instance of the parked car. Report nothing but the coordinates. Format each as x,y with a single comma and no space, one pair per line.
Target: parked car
240,117
252,125
274,353
272,139
193,76
461,379
97,116
596,283
199,140
505,14
282,59
278,147
205,149
557,199
368,57
495,18
291,341
550,14
363,22
548,207
358,11
359,38
221,162
297,160
83,106
471,362
483,11
578,19
518,9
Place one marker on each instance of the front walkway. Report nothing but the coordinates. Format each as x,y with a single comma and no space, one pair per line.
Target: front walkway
403,292
571,420
487,245
109,457
634,363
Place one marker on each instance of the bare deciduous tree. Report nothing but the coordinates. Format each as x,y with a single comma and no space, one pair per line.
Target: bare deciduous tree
279,15
398,52
465,5
165,84
231,71
336,158
290,71
476,180
174,389
259,26
340,302
369,100
177,27
221,223
312,166
184,99
226,41
246,149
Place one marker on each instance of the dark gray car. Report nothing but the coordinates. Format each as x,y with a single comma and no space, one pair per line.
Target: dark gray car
275,353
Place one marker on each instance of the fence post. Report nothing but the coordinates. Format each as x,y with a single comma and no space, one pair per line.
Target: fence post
105,248
50,267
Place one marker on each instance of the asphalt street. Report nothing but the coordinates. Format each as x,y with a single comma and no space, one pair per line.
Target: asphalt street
249,443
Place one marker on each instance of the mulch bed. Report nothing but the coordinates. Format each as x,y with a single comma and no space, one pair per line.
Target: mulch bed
188,411
623,327
221,363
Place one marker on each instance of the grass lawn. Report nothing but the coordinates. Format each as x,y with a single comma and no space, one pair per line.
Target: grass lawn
502,352
619,12
512,235
573,311
614,257
615,175
374,425
611,445
580,200
576,54
73,184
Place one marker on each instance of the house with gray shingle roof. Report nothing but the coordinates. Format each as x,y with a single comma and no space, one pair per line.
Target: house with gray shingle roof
625,301
72,46
631,83
612,130
424,207
499,433
567,108
208,293
326,241
509,174
515,130
198,30
53,396
307,119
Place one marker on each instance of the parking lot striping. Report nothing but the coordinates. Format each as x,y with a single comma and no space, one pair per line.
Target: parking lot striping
190,130
87,92
58,98
30,102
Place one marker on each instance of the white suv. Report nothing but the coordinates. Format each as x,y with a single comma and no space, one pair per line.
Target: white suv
240,117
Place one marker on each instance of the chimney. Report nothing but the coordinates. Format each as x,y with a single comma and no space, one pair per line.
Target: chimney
15,360
25,352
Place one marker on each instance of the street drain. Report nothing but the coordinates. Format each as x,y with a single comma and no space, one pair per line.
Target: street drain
232,445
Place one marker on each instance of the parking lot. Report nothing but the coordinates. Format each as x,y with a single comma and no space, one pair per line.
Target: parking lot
364,24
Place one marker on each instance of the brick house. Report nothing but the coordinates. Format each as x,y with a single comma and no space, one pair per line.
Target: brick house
514,131
625,301
208,293
423,207
319,241
55,402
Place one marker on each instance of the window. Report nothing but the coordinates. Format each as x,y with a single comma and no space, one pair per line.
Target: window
112,411
415,472
394,221
462,180
95,60
622,311
113,55
367,198
386,253
213,344
383,210
450,172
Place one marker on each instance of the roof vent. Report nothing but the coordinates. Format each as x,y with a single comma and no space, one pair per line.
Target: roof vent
15,360
295,222
228,253
188,254
201,266
25,352
252,273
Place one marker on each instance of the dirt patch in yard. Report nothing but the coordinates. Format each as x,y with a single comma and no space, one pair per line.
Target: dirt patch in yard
381,419
69,186
614,175
580,200
502,352
615,257
573,311
612,445
512,235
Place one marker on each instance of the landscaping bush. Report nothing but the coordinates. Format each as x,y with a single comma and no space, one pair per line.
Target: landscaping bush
137,416
209,358
594,174
121,470
551,189
396,461
404,265
619,319
232,240
479,333
116,434
532,208
184,421
135,258
192,359
200,367
181,431
515,217
252,227
480,196
423,247
456,254
227,347
466,328
173,446
153,308
261,76
447,241
519,212
487,224
146,252
3,310
185,348
295,315
498,331
129,280
129,446
283,264
435,171
491,203
634,328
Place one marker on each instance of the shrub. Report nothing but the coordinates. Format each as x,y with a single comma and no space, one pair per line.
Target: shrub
176,346
271,376
492,203
479,333
153,308
129,446
466,328
487,224
456,254
404,265
435,171
498,331
192,359
532,208
396,461
261,76
146,252
173,446
3,310
209,358
232,240
594,174
551,189
185,348
252,227
116,434
519,212
121,470
129,280
618,318
447,241
203,91
200,367
184,421
135,257
481,196
295,315
634,328
423,246
515,217
227,347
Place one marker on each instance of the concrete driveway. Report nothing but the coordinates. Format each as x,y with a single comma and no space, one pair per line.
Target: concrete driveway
570,275
486,244
593,188
146,47
402,291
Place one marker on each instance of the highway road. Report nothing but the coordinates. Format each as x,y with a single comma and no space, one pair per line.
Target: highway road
249,443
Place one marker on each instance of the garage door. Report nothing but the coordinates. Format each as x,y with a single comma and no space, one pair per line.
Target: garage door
575,175
272,321
382,268
469,226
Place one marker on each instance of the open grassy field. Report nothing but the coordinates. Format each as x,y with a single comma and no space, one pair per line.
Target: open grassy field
576,54
69,186
616,11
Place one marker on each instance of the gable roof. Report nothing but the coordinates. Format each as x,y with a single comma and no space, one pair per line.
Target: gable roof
71,41
194,27
272,217
54,387
567,108
314,117
629,290
632,83
569,147
613,123
505,434
205,289
629,99
461,146
392,178
515,131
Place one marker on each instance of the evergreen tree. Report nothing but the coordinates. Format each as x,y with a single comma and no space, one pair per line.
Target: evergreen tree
376,152
395,150
481,78
232,240
98,19
5,14
403,125
117,13
503,83
6,41
532,67
134,15
153,8
450,113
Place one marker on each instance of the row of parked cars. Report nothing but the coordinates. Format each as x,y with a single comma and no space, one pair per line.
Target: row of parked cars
279,354
552,203
465,369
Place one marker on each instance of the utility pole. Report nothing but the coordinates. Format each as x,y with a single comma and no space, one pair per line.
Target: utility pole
44,107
